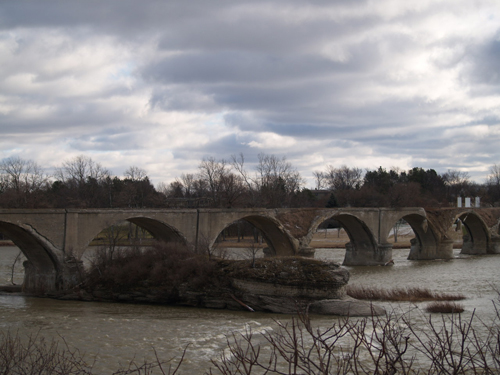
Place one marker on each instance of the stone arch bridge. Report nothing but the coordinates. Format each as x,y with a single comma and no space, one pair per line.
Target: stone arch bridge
54,240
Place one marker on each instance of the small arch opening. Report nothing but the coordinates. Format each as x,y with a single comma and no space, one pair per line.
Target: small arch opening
475,239
21,250
340,236
133,235
251,237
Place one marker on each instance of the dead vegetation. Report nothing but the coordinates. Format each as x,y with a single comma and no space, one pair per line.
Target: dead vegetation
390,345
34,354
399,294
446,307
164,265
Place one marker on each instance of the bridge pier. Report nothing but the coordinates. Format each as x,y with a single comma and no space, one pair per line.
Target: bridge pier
367,256
443,250
40,281
37,281
468,246
494,247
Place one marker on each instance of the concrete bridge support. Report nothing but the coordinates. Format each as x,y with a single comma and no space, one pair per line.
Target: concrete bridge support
494,246
47,268
367,256
429,243
363,228
476,239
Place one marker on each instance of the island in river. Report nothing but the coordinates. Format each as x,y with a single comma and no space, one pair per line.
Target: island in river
275,284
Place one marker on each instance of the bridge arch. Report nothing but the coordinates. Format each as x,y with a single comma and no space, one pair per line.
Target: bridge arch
278,242
426,244
43,269
477,239
362,248
159,229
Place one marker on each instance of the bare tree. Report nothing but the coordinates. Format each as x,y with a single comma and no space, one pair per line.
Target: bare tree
455,177
319,179
87,182
232,188
22,175
175,189
213,173
135,173
238,163
188,181
494,176
343,178
162,187
80,169
23,179
212,251
251,252
277,180
493,183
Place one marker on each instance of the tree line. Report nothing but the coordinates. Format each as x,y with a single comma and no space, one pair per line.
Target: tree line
274,182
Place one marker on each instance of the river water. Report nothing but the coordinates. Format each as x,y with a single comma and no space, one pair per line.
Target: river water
116,333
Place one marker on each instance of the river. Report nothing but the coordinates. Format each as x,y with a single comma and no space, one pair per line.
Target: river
116,333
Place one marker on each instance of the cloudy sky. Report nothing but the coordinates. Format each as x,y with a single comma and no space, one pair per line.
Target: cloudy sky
163,84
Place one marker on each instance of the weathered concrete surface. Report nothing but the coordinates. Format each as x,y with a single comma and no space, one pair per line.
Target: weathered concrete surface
480,226
53,239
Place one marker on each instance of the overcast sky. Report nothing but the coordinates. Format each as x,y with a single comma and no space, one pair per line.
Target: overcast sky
163,84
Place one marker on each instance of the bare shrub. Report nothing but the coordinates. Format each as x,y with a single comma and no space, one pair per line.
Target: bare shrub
400,294
251,252
164,264
346,347
377,345
34,354
212,251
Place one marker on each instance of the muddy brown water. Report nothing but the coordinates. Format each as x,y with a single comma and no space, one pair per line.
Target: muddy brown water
116,333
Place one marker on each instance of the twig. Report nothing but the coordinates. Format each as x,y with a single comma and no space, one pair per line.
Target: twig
242,304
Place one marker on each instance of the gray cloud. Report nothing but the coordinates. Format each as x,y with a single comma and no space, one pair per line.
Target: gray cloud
319,81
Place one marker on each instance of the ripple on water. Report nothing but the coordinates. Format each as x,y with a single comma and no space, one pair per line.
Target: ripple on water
116,333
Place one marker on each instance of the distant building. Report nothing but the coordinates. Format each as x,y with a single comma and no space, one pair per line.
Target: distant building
468,202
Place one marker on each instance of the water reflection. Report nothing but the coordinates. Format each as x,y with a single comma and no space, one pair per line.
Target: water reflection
11,256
